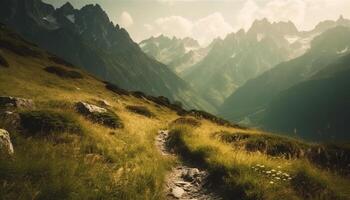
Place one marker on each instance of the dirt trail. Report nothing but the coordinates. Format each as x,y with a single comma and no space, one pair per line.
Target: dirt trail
185,182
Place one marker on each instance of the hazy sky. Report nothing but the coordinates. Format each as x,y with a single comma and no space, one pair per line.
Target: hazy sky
208,19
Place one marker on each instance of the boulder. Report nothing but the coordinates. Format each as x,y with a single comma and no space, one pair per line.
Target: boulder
86,108
6,146
8,101
99,115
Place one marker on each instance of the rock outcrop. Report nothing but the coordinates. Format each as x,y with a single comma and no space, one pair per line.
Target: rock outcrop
86,108
99,115
6,146
8,101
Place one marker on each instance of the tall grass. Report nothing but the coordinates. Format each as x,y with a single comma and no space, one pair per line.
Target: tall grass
234,169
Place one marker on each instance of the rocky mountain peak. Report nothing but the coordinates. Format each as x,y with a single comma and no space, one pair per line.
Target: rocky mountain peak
66,8
285,27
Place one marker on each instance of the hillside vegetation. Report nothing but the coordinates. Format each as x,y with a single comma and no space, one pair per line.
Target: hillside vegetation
62,151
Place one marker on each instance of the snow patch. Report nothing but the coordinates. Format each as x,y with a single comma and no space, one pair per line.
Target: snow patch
50,19
291,38
142,45
343,51
260,36
188,49
71,18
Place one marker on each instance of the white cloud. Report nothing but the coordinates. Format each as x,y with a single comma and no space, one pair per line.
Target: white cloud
204,29
174,26
304,13
125,20
210,27
274,10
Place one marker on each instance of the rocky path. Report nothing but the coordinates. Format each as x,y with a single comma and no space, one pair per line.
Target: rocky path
185,182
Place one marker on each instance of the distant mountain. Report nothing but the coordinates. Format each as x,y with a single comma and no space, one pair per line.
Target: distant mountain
316,109
244,55
240,57
178,54
250,101
87,38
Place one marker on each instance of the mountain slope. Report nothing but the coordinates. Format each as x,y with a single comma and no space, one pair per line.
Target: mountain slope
178,54
88,39
240,57
252,98
317,108
61,152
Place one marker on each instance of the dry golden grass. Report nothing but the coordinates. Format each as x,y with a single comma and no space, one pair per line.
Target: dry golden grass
238,167
104,163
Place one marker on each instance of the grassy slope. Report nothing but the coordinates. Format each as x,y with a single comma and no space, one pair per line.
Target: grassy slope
125,164
102,163
235,168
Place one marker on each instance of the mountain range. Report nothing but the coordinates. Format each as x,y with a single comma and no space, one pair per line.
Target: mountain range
307,89
87,38
178,54
227,64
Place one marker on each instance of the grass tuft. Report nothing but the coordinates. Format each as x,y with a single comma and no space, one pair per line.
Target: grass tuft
45,122
311,185
63,73
3,62
186,121
141,110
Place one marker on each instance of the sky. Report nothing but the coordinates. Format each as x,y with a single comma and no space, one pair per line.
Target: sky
205,20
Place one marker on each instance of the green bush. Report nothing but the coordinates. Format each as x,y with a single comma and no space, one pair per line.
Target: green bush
108,119
310,185
141,110
64,73
270,144
187,121
45,122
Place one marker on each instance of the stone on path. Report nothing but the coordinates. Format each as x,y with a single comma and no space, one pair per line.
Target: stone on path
177,192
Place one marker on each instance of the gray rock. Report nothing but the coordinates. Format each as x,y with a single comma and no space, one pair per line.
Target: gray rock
6,146
86,108
8,101
177,192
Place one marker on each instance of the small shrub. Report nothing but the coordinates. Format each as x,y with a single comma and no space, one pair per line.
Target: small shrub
60,61
21,50
163,101
47,122
138,94
116,89
270,144
213,118
187,121
3,62
64,73
108,119
141,110
309,185
232,137
335,157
